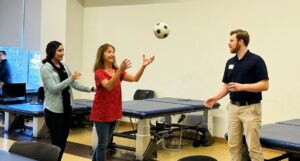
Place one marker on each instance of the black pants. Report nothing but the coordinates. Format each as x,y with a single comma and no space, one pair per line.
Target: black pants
59,126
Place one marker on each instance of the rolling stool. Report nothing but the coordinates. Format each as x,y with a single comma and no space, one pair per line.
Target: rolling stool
197,158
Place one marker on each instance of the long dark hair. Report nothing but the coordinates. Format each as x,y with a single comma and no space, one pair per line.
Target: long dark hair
99,63
51,50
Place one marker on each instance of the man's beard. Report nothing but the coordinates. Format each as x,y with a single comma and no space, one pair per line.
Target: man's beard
236,49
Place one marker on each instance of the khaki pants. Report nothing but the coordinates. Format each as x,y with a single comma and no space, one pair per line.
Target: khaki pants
245,119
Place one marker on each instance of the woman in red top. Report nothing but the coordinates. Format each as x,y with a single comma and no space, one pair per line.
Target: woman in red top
107,106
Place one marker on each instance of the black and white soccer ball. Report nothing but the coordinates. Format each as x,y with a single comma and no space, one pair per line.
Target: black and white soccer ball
161,30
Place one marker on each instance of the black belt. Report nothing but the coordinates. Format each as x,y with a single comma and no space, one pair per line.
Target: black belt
244,103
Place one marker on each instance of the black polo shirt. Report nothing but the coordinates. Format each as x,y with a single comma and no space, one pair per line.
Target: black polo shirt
250,69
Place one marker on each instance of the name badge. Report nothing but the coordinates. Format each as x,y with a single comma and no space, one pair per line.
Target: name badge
230,66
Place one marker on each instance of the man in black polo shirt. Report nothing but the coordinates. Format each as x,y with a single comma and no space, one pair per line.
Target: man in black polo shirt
245,77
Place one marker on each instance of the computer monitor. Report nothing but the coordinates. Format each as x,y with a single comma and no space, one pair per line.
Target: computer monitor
14,92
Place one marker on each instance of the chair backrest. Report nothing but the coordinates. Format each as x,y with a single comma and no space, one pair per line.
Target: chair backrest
141,94
197,158
14,93
41,94
36,150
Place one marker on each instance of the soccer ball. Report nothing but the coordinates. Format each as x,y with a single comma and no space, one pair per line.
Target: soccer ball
161,30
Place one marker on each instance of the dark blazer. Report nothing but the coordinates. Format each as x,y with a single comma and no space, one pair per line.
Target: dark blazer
5,72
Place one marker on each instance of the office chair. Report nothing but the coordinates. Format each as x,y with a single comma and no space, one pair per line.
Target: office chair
36,150
197,158
41,94
142,94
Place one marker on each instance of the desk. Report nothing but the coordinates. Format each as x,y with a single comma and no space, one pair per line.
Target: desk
7,156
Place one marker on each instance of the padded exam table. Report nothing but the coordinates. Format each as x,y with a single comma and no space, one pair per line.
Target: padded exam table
144,110
283,136
34,110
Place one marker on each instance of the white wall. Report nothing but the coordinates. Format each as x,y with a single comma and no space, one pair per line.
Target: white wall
53,23
190,62
62,20
74,34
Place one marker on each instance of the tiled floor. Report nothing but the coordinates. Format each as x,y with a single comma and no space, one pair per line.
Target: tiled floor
80,140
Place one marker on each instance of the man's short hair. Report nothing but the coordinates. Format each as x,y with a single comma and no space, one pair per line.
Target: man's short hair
241,35
2,51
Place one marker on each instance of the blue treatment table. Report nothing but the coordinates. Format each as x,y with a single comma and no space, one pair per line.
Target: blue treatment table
284,136
143,110
36,111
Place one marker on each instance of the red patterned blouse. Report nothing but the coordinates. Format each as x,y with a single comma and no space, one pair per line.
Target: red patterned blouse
107,105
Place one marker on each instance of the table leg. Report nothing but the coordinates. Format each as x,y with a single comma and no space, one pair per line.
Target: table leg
143,138
39,128
8,120
209,120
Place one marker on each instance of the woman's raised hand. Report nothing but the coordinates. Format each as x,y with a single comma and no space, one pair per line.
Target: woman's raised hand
147,61
125,64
